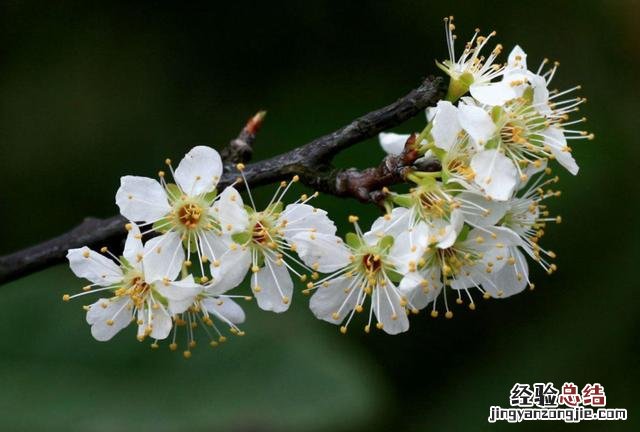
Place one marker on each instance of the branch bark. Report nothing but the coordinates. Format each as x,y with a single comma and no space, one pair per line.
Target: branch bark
311,161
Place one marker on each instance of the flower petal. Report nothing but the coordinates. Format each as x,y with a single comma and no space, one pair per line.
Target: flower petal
421,288
446,126
335,300
272,287
160,324
94,267
225,309
517,59
133,248
393,224
231,269
388,311
230,212
393,143
481,211
163,257
476,122
555,139
495,173
322,252
108,316
493,94
142,199
296,218
180,294
199,171
511,279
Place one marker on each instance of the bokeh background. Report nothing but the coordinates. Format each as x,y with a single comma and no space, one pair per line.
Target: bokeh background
90,92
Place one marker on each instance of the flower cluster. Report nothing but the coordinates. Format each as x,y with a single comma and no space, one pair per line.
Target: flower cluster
470,226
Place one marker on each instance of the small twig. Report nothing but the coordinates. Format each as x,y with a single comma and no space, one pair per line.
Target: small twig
240,149
311,161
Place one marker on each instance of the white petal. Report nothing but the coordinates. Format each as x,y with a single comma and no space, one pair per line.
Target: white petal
272,287
108,316
338,297
234,263
199,171
511,279
495,173
444,232
94,267
446,126
142,199
133,249
392,225
421,288
476,122
481,211
163,257
540,94
322,252
517,59
393,143
160,323
180,294
298,218
230,212
387,308
555,139
494,94
408,247
224,308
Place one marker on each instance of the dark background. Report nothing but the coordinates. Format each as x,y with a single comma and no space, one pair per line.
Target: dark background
90,92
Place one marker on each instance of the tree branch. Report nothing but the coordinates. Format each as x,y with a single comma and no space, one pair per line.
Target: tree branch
311,161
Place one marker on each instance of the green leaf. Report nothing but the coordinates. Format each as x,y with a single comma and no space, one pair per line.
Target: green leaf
209,197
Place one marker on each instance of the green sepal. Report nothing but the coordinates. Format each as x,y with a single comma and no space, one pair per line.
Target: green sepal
492,143
353,240
496,113
210,196
125,262
528,94
241,238
403,200
464,233
394,276
162,225
275,208
386,242
173,192
458,87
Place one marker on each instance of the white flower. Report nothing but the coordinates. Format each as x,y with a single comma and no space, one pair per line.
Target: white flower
468,263
265,247
138,288
186,212
368,266
526,217
471,68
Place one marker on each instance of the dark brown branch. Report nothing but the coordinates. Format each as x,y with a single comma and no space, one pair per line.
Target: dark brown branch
312,161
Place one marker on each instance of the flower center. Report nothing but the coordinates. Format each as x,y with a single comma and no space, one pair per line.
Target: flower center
371,263
137,289
190,215
260,233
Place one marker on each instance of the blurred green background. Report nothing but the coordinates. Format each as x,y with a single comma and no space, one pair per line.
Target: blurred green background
90,92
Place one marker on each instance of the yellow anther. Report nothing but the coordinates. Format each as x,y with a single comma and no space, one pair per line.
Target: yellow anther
240,167
186,354
66,297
